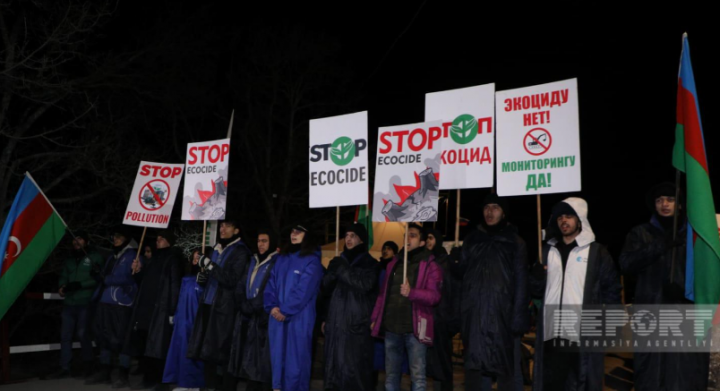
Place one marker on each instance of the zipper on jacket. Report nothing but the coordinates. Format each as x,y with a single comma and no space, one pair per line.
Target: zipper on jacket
562,287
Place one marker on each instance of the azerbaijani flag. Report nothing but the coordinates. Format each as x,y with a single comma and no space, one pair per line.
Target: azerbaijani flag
32,230
702,282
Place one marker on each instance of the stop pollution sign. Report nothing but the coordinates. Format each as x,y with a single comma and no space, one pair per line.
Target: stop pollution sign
153,194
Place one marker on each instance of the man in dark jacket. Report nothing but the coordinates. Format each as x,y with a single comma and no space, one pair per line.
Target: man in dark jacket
76,286
352,280
112,317
250,351
494,306
648,254
149,336
576,272
213,329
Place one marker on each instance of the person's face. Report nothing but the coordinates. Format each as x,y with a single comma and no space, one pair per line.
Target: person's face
569,225
430,243
196,257
227,231
78,243
118,240
414,240
387,252
493,213
297,236
161,242
352,240
147,252
263,243
665,206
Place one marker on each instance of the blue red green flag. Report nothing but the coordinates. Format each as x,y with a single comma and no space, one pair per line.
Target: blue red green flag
31,231
689,156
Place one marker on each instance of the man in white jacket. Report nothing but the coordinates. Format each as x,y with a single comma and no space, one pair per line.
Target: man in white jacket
576,272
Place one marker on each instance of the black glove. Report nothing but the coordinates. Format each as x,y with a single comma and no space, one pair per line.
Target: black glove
72,287
202,278
204,262
538,271
337,263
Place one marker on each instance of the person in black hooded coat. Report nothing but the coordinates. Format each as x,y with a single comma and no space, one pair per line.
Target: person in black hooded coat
648,254
212,333
151,323
494,305
447,322
352,280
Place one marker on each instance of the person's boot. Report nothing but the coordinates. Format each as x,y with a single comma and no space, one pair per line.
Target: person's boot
88,369
145,384
122,378
161,387
102,376
59,374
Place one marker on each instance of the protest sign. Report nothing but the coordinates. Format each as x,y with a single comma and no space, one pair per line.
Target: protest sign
206,180
153,195
407,174
538,139
468,135
339,161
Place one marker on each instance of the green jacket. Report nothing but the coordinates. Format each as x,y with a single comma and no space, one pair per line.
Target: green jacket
77,269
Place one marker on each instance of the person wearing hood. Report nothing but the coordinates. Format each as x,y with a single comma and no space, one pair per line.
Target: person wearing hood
575,272
213,329
76,286
250,351
152,321
648,255
117,296
290,299
439,356
403,312
492,265
351,280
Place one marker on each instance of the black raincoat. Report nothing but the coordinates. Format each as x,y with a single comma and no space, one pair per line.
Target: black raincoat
159,281
250,352
446,322
211,342
494,302
648,255
348,344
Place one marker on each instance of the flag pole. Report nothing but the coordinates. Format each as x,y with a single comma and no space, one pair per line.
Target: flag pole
405,254
137,255
539,230
204,234
337,230
457,221
675,222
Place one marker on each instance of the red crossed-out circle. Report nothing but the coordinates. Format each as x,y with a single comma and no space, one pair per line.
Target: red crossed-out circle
534,142
157,198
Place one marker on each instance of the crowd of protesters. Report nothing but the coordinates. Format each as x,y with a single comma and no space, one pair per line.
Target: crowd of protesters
227,315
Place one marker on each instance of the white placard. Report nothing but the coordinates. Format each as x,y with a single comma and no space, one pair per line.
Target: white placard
153,195
206,180
468,135
407,174
538,139
338,161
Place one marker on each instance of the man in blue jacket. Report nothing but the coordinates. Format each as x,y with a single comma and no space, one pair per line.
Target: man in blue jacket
117,296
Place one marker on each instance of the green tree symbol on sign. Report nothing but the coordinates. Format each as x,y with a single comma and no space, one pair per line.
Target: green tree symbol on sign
464,129
342,151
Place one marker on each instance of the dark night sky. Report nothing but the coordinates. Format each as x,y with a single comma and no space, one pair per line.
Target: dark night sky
626,63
